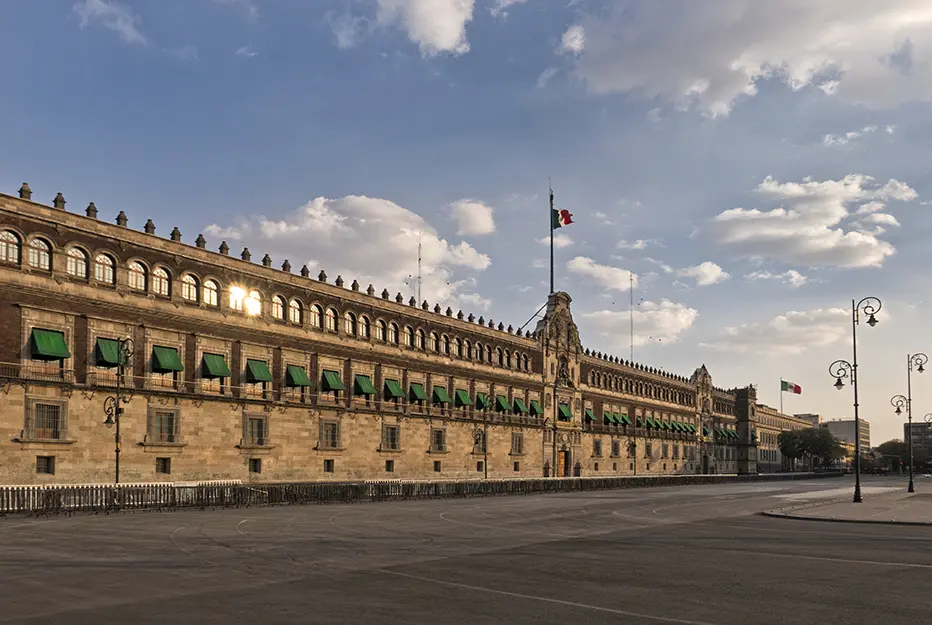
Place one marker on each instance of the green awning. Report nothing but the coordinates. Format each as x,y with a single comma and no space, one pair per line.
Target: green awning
692,428
482,401
733,433
626,419
417,391
706,431
165,359
590,416
607,418
214,366
652,423
441,396
535,408
616,418
331,382
520,406
393,389
501,404
257,371
362,385
49,345
107,353
677,426
462,398
296,376
565,412
665,425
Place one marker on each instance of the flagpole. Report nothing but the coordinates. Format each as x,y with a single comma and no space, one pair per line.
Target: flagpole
550,218
781,395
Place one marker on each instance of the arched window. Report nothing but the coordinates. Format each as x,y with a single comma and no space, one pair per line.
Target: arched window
278,308
349,325
467,350
137,277
433,342
76,264
188,288
160,282
211,293
331,319
103,269
9,247
525,364
488,354
479,352
364,327
445,342
419,339
380,330
409,336
458,348
316,316
253,303
39,255
507,359
393,334
296,312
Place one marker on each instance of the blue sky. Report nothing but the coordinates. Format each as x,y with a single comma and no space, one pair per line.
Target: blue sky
332,132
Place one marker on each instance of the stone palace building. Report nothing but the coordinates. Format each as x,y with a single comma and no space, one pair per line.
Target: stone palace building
233,369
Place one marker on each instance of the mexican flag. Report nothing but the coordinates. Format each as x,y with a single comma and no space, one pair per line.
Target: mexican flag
560,218
790,387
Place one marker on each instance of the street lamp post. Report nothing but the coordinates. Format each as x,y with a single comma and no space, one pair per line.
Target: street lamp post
483,437
839,369
112,407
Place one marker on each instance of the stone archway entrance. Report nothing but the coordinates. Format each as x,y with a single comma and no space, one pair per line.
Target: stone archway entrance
563,462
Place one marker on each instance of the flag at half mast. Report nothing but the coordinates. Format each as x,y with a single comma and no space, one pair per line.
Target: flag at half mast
790,387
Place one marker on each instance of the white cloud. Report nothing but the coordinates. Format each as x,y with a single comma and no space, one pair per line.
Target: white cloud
347,29
559,240
848,137
251,10
473,217
383,237
654,322
640,244
247,52
546,76
112,16
709,54
605,276
791,333
666,268
807,229
705,274
791,277
436,26
499,8
573,40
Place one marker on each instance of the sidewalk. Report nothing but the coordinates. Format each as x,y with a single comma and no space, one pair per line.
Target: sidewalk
898,508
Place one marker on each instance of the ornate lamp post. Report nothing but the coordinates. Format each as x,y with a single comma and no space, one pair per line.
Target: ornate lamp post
481,436
112,404
840,369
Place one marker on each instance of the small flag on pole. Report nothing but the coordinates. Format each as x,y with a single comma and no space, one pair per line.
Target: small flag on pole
790,387
560,218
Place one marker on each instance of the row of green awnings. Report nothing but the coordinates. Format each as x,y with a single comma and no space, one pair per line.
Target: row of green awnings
48,345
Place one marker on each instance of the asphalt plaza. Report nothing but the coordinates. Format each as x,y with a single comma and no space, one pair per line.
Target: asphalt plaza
698,554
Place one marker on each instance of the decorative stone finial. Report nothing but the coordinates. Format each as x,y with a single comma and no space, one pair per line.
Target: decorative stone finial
385,294
224,248
286,266
471,318
511,330
412,301
355,285
460,315
481,320
200,241
491,324
370,290
449,312
527,334
91,211
339,281
246,255
437,308
501,326
121,219
305,272
149,228
587,351
322,276
59,201
266,261
399,298
175,234
25,193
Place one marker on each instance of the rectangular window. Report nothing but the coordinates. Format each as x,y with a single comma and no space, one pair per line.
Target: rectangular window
438,440
328,465
479,442
45,420
596,466
389,466
255,465
163,465
438,466
517,466
597,448
666,450
255,433
479,466
391,437
163,426
616,448
329,435
648,450
45,465
517,443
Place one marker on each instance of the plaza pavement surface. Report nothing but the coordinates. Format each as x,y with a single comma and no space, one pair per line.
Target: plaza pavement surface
690,555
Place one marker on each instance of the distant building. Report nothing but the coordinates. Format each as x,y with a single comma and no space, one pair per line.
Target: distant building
922,434
843,429
814,419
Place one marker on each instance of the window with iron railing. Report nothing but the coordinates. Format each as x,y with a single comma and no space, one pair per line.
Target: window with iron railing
517,443
438,440
45,420
256,430
391,437
329,435
163,426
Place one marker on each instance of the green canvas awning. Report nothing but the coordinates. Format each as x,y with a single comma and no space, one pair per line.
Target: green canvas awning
48,345
626,419
677,426
330,381
706,431
520,407
693,428
362,385
616,418
535,408
565,412
417,391
441,396
590,416
214,366
296,376
393,389
607,418
107,353
733,433
257,371
165,359
462,398
501,404
652,423
482,401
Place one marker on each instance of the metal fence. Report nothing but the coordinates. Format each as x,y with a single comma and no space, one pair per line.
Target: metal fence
65,499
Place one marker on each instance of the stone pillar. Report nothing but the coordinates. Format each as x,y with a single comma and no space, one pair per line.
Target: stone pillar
746,414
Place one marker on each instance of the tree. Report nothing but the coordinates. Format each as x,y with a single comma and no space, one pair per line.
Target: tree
790,444
819,443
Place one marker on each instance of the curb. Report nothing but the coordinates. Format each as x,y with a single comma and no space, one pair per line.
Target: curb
789,513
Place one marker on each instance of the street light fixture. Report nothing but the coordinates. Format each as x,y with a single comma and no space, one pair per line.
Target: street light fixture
481,436
840,369
918,361
112,404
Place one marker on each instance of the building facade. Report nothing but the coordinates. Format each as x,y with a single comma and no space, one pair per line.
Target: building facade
223,368
922,434
813,419
843,429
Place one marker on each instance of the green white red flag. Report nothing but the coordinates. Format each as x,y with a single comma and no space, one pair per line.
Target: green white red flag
790,387
560,218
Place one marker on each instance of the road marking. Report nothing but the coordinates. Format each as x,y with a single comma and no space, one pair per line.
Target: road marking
171,538
239,525
572,604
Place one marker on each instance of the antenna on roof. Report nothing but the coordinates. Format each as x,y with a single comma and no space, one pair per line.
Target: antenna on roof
631,313
415,282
